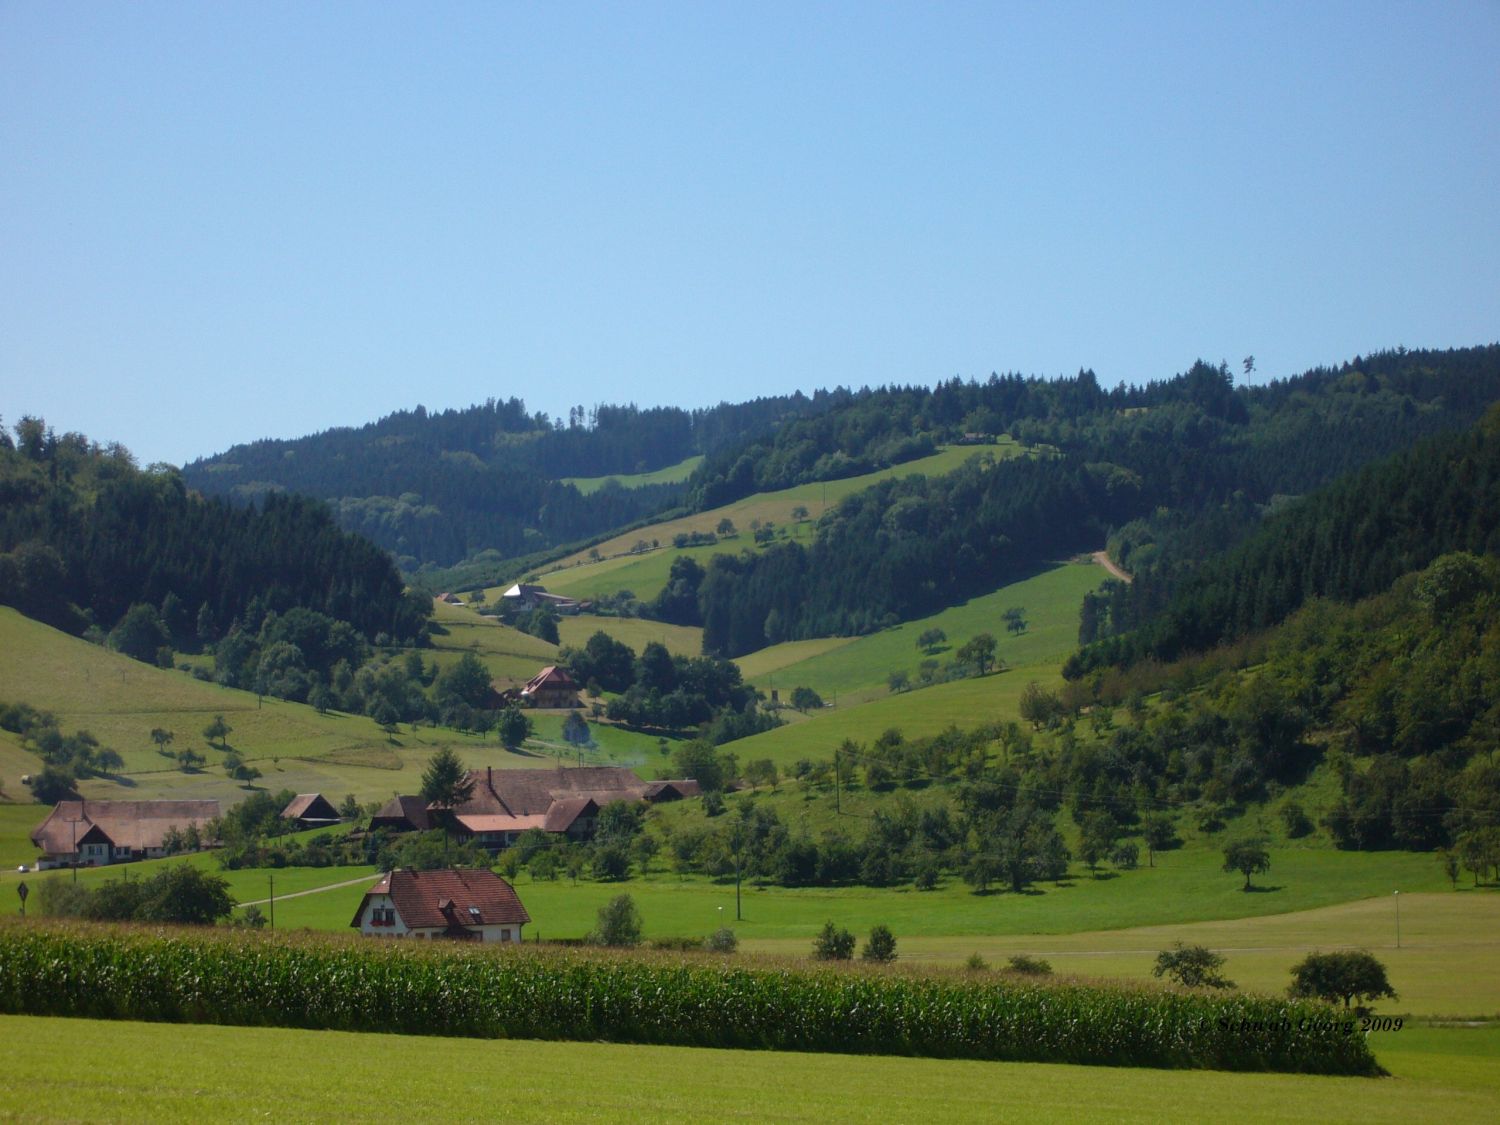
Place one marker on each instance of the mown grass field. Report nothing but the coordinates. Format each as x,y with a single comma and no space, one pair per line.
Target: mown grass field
774,507
637,632
858,668
672,474
73,1069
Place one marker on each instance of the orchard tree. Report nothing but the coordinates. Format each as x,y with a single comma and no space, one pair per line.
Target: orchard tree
1248,857
1015,619
979,651
1192,966
514,728
218,729
162,738
1346,974
930,639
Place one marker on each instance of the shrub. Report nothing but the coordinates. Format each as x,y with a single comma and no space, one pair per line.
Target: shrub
619,923
833,943
722,940
880,946
1029,966
977,964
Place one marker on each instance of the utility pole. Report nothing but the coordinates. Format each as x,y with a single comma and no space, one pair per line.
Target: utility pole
838,808
273,900
1398,919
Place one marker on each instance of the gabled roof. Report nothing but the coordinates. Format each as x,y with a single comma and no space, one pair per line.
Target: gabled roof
527,792
310,806
125,824
448,900
563,813
672,790
412,810
524,590
550,678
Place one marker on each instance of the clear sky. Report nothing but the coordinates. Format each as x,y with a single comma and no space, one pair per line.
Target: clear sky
227,221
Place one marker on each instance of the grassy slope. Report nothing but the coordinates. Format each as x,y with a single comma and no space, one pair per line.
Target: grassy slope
670,475
645,574
637,632
858,667
121,700
164,1076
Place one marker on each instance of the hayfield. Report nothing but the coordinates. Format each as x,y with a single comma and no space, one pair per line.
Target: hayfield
637,632
166,1076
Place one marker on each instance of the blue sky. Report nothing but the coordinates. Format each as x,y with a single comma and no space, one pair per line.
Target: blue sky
222,222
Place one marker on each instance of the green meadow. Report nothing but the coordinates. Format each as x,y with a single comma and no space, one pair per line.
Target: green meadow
672,474
773,507
166,1074
637,632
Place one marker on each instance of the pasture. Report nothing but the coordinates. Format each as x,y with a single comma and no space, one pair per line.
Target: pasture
672,474
777,507
166,1076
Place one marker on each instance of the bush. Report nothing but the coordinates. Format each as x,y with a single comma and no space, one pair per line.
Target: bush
722,940
977,964
619,923
833,943
1029,966
880,946
1296,821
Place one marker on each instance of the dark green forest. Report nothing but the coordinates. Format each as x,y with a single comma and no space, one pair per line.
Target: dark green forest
1347,541
437,488
85,536
1194,453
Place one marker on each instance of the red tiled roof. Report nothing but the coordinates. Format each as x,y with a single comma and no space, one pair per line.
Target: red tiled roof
448,899
126,824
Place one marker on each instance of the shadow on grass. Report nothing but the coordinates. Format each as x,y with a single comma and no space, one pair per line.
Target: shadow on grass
1252,890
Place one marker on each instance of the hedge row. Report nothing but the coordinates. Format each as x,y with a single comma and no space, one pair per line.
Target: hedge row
313,981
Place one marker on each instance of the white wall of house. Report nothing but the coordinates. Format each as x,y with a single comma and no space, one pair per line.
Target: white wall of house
374,908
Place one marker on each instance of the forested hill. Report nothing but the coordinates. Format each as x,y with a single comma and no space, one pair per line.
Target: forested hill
1348,541
1188,450
440,487
86,536
1285,436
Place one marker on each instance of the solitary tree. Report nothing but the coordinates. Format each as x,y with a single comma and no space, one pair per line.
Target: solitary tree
1192,966
1248,857
1346,975
805,699
1015,619
162,738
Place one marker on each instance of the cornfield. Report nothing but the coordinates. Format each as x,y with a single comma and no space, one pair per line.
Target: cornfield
329,982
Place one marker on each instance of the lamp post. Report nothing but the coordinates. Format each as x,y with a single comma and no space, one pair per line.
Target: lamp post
1398,918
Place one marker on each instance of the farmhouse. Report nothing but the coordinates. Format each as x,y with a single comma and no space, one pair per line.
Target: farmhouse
551,687
468,905
94,833
528,595
505,803
311,810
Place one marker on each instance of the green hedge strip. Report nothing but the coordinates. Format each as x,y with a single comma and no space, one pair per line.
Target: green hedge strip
313,981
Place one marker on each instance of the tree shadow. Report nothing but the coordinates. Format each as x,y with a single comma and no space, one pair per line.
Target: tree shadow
1105,876
1254,890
